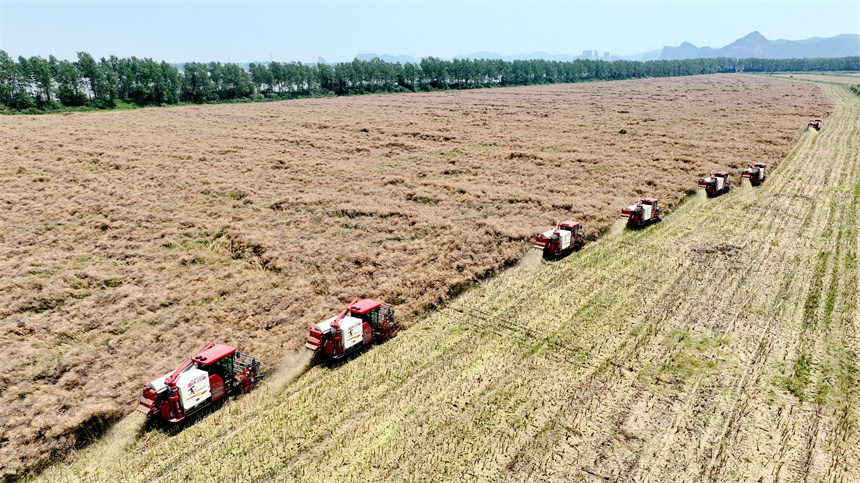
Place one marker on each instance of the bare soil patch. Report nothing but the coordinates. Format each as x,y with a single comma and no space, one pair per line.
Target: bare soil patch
129,239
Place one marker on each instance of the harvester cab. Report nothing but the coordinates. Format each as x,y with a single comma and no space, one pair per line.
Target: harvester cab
564,238
208,376
645,211
716,184
358,325
814,124
756,173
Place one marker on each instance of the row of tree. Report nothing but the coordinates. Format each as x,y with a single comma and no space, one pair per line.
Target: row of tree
45,84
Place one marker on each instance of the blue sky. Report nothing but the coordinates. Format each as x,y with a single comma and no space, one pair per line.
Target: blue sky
227,31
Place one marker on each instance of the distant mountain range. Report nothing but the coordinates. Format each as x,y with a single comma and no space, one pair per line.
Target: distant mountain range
752,45
756,45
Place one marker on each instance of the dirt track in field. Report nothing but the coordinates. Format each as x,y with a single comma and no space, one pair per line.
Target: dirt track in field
718,345
130,239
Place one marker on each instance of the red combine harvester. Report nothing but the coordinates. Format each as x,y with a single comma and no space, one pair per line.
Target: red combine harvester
361,323
210,375
815,124
642,213
566,237
716,184
755,173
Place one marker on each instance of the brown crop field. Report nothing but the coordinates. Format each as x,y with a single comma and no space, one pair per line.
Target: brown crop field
129,239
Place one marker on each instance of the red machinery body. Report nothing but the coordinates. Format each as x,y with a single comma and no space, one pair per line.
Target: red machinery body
360,324
566,237
756,173
716,184
205,378
814,124
644,212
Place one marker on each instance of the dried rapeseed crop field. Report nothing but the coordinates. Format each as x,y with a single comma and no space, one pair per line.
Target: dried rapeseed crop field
129,239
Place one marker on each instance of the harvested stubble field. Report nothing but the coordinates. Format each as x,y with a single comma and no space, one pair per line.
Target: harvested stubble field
842,78
719,345
129,239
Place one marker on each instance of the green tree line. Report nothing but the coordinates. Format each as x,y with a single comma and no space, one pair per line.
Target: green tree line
37,84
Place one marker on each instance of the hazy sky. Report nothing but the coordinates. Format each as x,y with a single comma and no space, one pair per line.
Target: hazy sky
303,31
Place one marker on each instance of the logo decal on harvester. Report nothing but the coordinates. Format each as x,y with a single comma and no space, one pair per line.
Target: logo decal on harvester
194,381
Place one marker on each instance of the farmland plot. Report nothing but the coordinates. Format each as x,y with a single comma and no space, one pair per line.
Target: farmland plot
719,345
844,78
130,239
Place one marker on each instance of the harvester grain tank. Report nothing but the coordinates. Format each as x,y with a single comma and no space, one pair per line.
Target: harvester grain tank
206,378
814,124
644,212
716,184
756,173
564,238
358,325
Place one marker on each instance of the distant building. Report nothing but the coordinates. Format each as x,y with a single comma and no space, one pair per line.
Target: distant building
606,56
586,54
